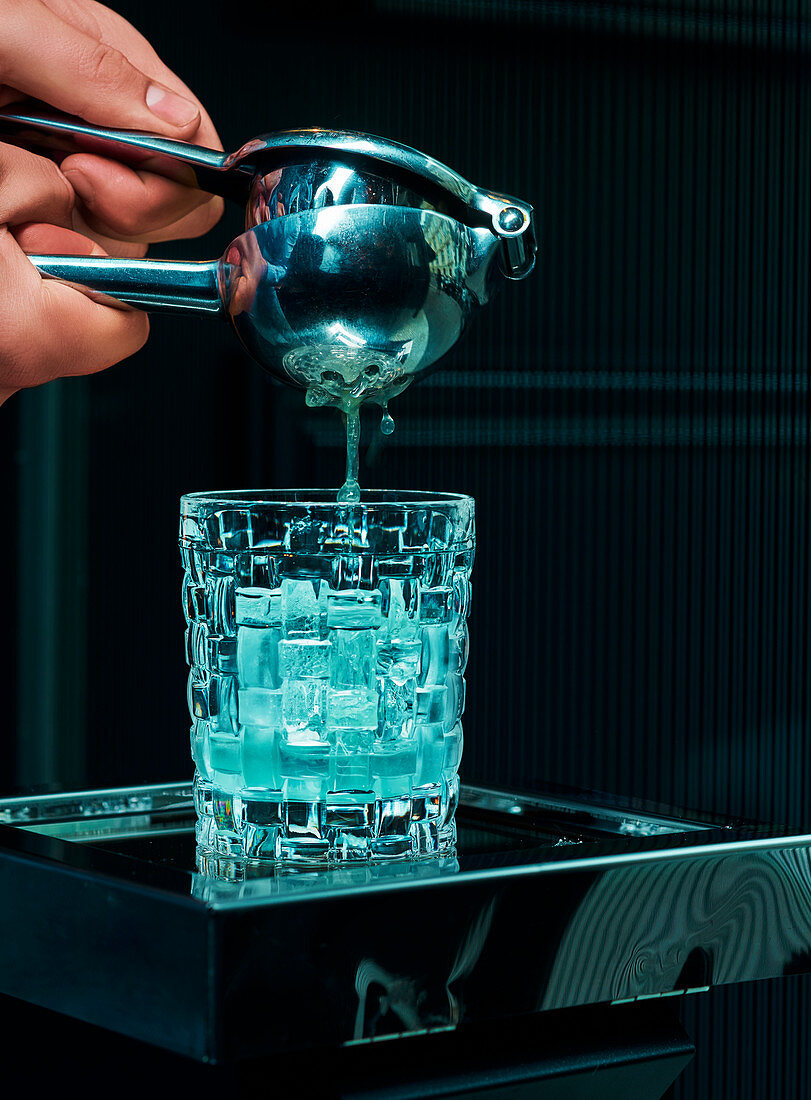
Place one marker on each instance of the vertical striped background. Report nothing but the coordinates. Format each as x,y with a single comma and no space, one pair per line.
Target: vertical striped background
633,422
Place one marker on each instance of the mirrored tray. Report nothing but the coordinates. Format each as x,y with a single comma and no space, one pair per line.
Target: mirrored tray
552,900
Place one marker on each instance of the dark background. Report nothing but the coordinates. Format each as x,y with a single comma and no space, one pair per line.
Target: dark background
632,420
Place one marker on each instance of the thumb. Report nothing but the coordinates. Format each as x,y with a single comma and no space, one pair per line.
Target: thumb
77,73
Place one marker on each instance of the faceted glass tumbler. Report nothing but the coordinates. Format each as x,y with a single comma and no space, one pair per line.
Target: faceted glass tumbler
327,645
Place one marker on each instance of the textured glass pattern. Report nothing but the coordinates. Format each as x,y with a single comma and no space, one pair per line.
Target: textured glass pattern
327,646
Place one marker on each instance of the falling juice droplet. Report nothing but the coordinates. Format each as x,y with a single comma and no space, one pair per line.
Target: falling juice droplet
387,422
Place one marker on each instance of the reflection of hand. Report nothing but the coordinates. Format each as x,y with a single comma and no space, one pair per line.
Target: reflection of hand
84,59
248,268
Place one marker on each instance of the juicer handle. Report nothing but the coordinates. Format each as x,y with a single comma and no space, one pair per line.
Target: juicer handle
211,170
158,286
510,219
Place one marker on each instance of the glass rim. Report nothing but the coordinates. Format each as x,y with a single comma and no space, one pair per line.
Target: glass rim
324,498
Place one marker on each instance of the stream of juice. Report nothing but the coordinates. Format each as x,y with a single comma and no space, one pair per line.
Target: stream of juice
350,406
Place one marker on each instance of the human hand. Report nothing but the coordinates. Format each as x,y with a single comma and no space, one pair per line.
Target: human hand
86,60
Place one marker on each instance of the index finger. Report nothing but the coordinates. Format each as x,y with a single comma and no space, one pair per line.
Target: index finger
83,75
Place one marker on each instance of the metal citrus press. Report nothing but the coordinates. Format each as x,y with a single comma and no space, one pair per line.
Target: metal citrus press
361,263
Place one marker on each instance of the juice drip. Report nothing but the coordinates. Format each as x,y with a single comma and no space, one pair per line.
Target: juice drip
349,493
316,396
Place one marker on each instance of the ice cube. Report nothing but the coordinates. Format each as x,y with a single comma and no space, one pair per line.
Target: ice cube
197,695
450,797
454,742
257,656
352,659
203,803
353,571
260,757
455,701
352,771
190,532
262,807
303,608
225,753
401,606
397,706
195,605
264,570
431,758
305,819
351,762
258,607
357,814
435,605
305,567
223,809
304,659
399,660
393,768
197,645
222,704
426,801
386,540
353,709
200,748
437,570
394,819
221,599
435,658
459,647
230,529
256,570
222,654
221,562
304,769
395,760
461,599
260,707
304,708
354,610
431,704
399,566
259,841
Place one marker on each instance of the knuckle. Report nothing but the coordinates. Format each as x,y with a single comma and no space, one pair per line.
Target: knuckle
51,182
32,188
129,221
104,65
68,194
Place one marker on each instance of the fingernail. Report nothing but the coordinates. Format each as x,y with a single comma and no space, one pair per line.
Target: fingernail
170,107
81,185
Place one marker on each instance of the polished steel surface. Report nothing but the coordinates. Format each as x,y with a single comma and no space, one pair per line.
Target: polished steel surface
362,261
356,298
346,299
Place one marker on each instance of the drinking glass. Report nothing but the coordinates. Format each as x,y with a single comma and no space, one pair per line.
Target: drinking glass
327,644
